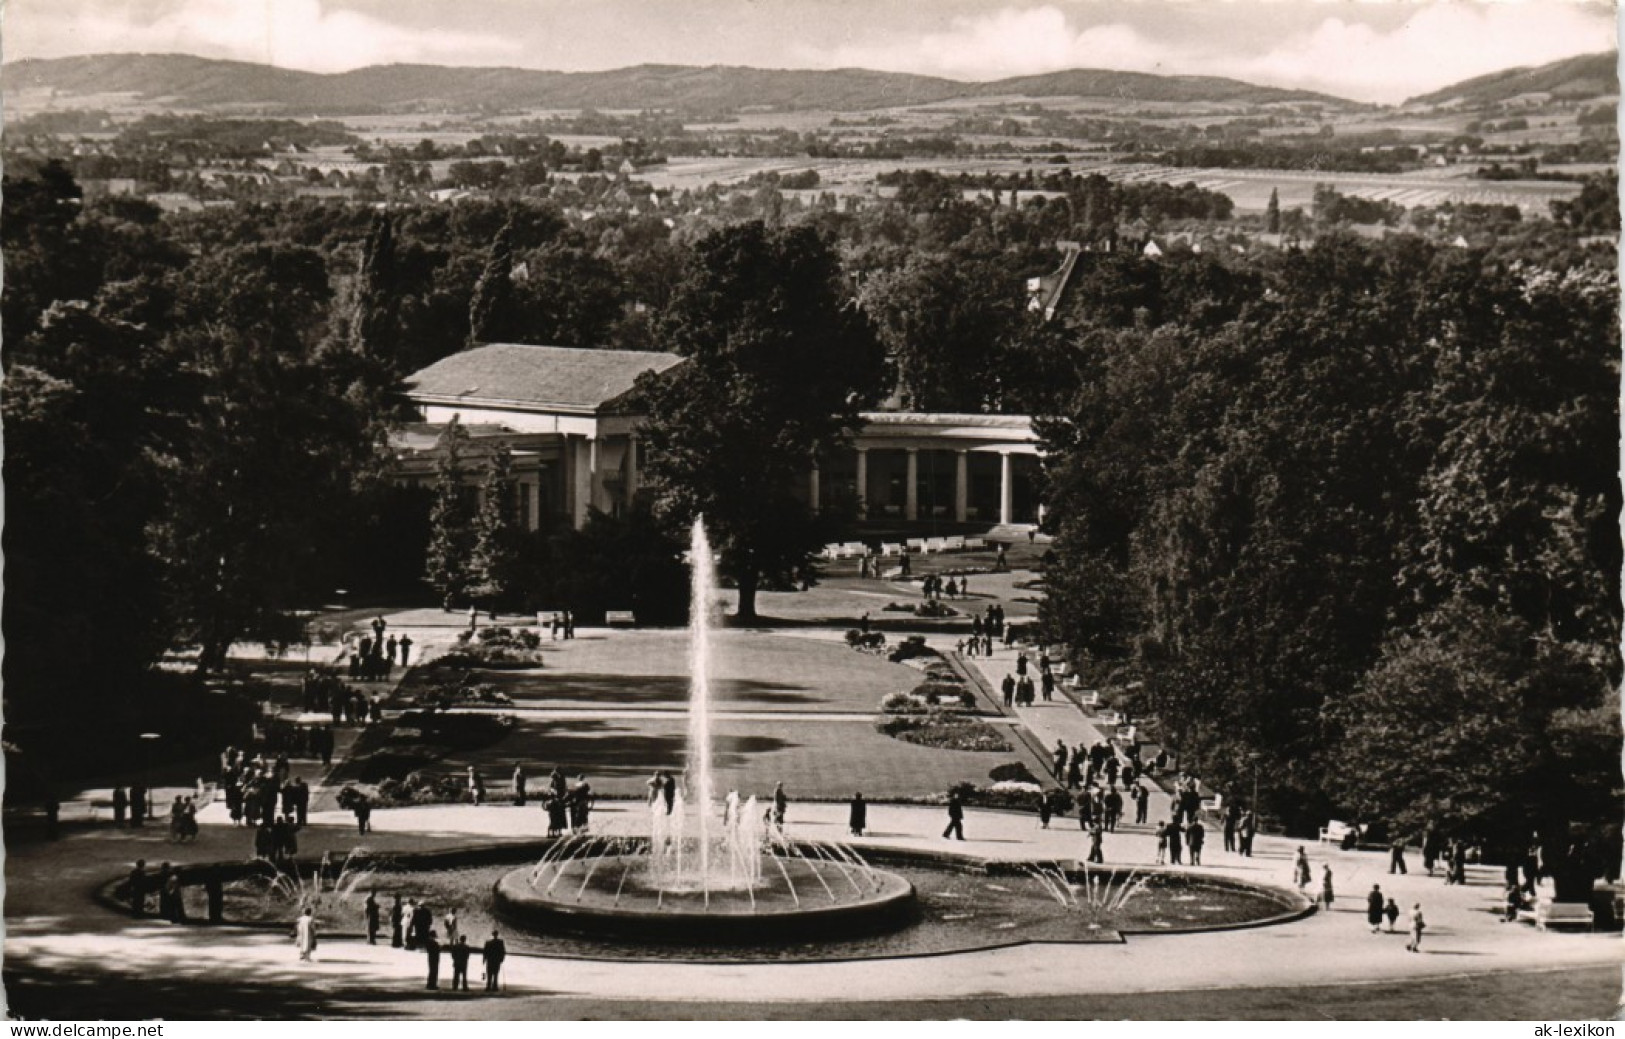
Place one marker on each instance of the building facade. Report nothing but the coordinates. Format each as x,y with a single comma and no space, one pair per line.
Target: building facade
566,414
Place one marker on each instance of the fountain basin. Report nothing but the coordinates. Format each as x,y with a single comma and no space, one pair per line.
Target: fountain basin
609,896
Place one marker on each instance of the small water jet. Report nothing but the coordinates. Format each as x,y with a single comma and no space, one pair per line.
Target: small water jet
701,874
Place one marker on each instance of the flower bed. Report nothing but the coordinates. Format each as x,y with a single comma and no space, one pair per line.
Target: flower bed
944,731
494,648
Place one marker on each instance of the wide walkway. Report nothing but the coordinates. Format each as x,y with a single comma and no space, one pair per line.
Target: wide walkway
1325,948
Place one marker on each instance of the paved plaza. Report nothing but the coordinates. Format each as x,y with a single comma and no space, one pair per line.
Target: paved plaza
65,952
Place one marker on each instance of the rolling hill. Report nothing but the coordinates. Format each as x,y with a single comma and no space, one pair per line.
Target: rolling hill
1581,78
200,83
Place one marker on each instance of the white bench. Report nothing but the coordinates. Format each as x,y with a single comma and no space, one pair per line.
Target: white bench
1335,831
936,545
831,552
891,548
916,545
972,544
954,544
620,619
854,549
1564,914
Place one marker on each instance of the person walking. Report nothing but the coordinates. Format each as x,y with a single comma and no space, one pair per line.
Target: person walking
518,785
1009,687
1326,885
1418,925
956,818
304,934
431,946
1097,836
1390,912
1043,811
1396,856
494,952
460,952
1300,870
374,916
858,815
1249,829
1373,909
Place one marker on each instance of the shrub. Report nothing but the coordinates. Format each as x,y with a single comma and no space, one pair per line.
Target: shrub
873,640
901,702
1011,771
945,732
910,648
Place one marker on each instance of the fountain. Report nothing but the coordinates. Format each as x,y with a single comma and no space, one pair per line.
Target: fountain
701,875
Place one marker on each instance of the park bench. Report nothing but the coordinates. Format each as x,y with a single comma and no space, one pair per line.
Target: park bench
1564,914
891,548
954,544
854,549
1335,831
972,544
620,619
916,545
936,544
831,551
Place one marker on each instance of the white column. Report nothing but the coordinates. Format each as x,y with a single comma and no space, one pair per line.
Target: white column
961,486
863,482
533,494
813,489
911,486
1007,502
631,471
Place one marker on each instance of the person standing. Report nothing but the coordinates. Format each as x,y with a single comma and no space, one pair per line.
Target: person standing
1249,829
391,648
1142,804
453,932
781,803
518,785
1195,837
1326,885
1300,870
1043,810
304,934
121,805
1009,687
397,917
374,917
1097,836
858,815
1373,909
1390,913
406,649
431,946
1396,856
363,814
138,804
493,954
1176,842
1417,927
460,952
956,818
1232,816
137,888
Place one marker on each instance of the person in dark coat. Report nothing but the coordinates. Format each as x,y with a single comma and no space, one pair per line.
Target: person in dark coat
422,923
431,946
1195,837
1396,856
956,818
374,916
138,804
1373,909
137,888
460,952
493,954
215,890
1097,835
1175,842
1043,811
1009,687
397,918
406,649
121,805
858,815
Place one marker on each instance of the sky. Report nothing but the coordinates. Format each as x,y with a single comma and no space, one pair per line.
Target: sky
1362,49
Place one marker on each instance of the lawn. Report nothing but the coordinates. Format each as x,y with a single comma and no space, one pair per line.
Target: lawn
752,671
814,759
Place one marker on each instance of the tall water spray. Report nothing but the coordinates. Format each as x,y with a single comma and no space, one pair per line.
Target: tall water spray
704,583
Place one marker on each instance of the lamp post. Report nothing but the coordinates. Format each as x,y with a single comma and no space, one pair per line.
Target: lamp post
1253,758
149,739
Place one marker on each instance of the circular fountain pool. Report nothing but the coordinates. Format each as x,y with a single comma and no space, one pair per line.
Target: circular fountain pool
613,896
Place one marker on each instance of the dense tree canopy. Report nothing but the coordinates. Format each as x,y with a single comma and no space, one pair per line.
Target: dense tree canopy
779,362
1324,527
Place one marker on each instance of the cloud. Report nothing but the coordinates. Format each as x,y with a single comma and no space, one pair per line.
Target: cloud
302,34
1440,43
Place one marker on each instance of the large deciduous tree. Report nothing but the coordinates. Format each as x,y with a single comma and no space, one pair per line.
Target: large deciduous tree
779,361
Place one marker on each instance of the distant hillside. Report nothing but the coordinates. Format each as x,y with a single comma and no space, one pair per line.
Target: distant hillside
192,82
1588,76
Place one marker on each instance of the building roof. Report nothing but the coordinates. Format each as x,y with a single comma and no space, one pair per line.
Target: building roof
557,378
